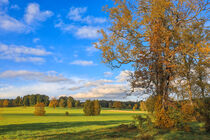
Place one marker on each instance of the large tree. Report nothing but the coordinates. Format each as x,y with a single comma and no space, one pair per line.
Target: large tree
157,39
148,34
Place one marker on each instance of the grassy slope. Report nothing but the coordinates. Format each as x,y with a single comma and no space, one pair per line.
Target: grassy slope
20,123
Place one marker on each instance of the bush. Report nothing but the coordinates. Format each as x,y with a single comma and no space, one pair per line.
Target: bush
92,108
203,110
67,113
168,116
143,106
144,124
39,109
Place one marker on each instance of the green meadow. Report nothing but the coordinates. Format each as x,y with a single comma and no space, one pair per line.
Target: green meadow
20,123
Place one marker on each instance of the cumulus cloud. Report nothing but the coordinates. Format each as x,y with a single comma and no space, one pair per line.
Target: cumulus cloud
35,76
82,63
22,53
33,14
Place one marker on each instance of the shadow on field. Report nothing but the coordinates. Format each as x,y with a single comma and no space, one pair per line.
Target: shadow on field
53,125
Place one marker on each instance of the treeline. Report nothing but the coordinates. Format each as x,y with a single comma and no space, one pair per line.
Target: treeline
32,100
63,101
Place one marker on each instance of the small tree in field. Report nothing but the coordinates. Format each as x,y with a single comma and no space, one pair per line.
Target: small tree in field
88,108
39,109
97,108
92,108
5,103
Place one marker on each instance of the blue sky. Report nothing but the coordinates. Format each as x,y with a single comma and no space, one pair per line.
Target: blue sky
47,47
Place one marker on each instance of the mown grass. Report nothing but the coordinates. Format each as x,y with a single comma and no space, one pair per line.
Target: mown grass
20,123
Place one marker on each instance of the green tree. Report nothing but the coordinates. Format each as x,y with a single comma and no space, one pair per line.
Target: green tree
26,101
88,108
77,103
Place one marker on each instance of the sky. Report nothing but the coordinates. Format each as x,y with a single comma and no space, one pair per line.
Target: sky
46,47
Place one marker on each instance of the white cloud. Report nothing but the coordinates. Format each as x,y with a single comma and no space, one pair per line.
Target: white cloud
123,76
82,63
33,14
108,74
2,2
15,6
35,76
76,14
35,40
11,24
102,91
90,32
91,50
22,53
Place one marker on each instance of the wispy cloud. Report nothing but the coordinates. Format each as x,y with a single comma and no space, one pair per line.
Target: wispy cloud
82,63
35,40
88,25
33,14
22,53
108,74
35,76
8,23
77,14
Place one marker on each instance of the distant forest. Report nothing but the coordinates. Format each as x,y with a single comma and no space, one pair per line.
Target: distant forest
63,101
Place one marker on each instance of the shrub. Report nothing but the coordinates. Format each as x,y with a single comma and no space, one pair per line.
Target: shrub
188,111
144,124
39,109
168,116
67,113
203,110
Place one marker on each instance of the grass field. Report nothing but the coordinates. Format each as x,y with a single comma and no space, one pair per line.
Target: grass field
20,123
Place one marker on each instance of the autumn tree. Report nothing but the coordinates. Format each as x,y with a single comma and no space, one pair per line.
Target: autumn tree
53,103
69,104
39,109
5,103
62,103
135,107
96,107
149,35
117,104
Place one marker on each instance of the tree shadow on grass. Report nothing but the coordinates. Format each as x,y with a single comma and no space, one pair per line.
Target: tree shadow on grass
104,133
53,125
